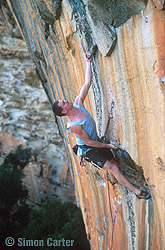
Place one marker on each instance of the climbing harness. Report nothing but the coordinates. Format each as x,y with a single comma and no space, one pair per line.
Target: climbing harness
83,157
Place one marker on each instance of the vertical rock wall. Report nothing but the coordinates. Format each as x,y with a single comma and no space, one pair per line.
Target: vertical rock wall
128,70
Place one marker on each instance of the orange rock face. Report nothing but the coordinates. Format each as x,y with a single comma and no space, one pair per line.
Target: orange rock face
129,72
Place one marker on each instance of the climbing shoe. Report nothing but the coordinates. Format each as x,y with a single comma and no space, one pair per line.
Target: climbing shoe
144,195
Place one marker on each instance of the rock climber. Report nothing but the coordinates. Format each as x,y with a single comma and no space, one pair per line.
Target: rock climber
83,127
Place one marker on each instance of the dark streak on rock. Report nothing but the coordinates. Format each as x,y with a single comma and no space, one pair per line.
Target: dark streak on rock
131,225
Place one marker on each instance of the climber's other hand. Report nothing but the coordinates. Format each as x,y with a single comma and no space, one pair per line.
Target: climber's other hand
113,146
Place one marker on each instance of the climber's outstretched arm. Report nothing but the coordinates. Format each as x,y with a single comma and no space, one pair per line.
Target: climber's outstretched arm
88,80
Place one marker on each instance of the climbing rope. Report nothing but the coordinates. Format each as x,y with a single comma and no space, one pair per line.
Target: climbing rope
113,222
112,218
109,198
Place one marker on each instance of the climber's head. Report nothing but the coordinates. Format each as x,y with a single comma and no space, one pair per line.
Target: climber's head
61,107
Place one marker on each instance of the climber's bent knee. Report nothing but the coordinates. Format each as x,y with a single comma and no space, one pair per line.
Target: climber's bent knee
99,156
112,166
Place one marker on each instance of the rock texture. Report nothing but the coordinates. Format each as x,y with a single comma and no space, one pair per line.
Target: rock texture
26,118
128,69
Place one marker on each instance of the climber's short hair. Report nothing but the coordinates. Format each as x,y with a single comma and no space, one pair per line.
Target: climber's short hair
57,110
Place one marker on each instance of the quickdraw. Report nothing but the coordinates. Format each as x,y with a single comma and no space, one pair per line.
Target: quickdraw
104,137
82,162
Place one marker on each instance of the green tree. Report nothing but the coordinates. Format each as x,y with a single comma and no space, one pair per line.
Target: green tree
14,212
57,220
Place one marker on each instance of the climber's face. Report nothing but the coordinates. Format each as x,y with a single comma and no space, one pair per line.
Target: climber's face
65,105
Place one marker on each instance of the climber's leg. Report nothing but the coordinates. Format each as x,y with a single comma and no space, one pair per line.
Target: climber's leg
111,166
103,158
